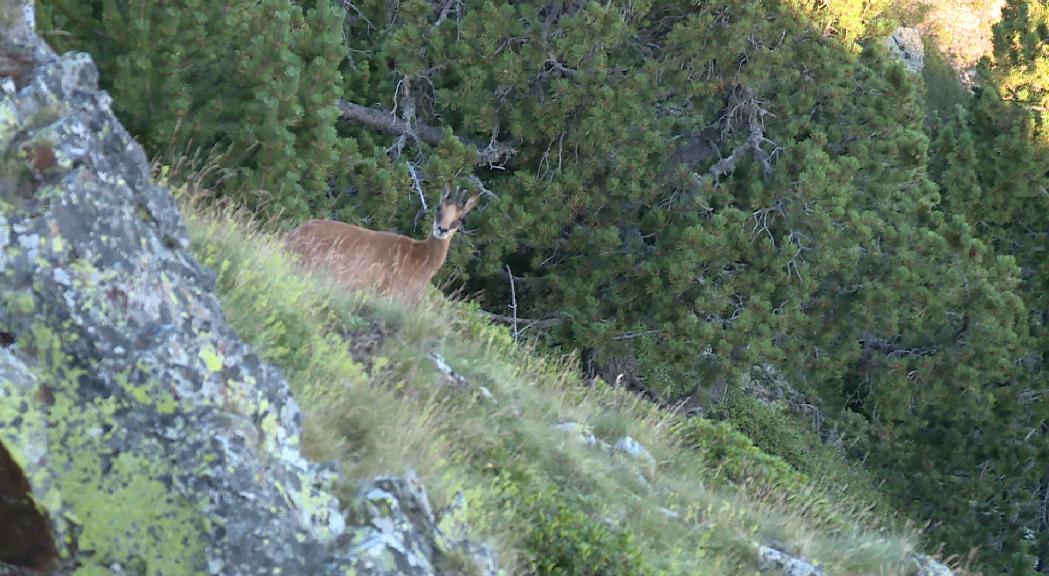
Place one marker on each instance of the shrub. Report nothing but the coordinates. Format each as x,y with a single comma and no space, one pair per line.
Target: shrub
565,541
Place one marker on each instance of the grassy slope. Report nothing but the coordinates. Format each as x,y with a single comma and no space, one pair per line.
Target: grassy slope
375,402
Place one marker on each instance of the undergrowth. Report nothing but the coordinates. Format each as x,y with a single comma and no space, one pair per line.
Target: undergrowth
365,372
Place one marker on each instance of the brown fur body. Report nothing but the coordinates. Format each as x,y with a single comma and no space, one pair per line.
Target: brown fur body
359,258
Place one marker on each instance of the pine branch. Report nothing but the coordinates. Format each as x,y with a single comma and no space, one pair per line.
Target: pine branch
492,154
12,570
742,114
526,322
892,350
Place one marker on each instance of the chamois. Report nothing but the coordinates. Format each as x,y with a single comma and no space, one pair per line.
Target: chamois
384,262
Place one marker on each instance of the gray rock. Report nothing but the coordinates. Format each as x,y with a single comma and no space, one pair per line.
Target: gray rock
669,513
396,534
152,438
632,448
906,45
773,561
581,433
926,566
158,406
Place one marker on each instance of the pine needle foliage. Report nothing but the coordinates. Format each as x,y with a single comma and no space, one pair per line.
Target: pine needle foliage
257,83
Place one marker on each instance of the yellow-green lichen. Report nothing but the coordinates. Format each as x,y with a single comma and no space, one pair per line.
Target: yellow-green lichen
149,394
23,432
212,359
130,517
122,512
20,302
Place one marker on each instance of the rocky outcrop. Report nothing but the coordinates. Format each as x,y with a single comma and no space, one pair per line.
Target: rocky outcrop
150,416
906,45
625,446
396,534
150,439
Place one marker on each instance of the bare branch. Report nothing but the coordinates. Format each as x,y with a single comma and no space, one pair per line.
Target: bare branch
556,64
388,123
418,186
449,7
527,322
893,350
492,154
513,301
480,186
632,335
743,112
349,6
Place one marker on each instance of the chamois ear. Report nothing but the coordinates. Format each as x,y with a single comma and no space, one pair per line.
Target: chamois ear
447,191
471,202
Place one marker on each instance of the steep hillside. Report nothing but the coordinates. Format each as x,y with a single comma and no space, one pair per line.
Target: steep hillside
531,456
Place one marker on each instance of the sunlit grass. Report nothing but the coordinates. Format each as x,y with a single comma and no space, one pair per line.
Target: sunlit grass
375,402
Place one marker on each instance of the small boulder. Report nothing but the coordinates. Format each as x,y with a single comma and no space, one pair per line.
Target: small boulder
580,433
632,448
394,533
928,567
777,562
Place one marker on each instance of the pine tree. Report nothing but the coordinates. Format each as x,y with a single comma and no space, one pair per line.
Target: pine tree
222,78
1021,53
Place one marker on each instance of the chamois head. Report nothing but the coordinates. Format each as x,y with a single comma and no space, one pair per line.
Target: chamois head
451,211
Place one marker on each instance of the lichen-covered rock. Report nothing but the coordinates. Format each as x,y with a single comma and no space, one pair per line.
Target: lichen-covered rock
777,562
395,533
925,566
581,433
906,44
25,535
632,448
153,438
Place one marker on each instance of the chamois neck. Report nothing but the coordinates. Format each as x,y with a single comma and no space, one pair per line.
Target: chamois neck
436,250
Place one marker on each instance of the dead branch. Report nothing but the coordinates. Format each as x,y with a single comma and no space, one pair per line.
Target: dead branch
892,350
351,20
513,302
743,108
632,335
556,65
526,322
418,186
450,6
481,189
490,154
743,113
388,123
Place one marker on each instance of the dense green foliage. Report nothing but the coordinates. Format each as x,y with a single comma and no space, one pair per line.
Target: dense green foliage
258,86
696,190
565,541
989,159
